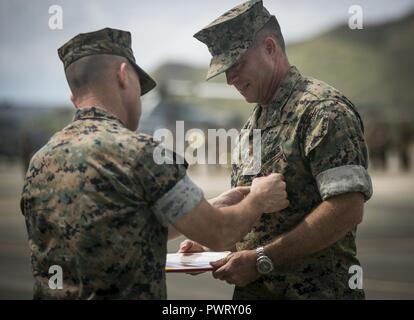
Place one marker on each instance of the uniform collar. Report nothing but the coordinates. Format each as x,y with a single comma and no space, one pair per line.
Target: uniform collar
265,116
94,113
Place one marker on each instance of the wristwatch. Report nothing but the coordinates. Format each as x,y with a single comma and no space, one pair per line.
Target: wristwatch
263,263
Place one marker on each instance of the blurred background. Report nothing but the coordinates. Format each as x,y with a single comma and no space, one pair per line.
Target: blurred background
373,66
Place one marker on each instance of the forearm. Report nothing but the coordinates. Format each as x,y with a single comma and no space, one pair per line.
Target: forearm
216,202
218,229
222,228
324,226
234,222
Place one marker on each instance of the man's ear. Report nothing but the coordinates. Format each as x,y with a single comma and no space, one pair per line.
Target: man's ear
73,99
270,45
122,75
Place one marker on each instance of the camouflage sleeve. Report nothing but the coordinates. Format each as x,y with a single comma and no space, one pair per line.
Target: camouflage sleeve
335,147
167,188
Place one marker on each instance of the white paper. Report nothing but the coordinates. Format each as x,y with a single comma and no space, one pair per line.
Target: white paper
189,261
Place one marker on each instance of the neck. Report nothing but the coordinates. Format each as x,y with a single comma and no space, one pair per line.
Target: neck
278,75
115,108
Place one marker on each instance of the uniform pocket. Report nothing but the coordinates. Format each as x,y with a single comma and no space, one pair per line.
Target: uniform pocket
275,162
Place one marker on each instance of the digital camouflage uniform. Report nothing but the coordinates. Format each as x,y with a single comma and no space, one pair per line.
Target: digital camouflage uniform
313,136
97,205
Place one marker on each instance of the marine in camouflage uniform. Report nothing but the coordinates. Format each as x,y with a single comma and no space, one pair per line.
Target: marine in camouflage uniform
95,202
313,135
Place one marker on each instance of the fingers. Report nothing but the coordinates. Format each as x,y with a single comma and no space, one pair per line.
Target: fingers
221,268
221,272
244,190
276,176
283,201
224,274
189,246
186,246
270,192
219,263
284,204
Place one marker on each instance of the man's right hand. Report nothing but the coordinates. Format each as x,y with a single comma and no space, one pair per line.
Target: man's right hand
189,246
221,228
269,193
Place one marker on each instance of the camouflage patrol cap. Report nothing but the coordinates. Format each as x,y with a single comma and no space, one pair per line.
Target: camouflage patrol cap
231,34
104,41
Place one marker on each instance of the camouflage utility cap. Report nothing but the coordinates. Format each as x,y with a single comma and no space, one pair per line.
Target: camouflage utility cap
104,41
231,34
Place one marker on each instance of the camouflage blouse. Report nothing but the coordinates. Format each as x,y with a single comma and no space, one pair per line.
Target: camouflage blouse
97,205
313,135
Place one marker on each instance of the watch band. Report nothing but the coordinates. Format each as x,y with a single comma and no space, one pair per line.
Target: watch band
260,252
264,264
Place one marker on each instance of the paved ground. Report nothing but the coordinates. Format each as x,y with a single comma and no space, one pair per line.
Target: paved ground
385,241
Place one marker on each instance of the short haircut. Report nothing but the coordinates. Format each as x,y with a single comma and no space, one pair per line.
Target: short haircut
272,28
91,72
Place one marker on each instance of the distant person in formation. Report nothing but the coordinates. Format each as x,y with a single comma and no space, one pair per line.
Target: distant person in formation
403,146
26,149
379,142
98,206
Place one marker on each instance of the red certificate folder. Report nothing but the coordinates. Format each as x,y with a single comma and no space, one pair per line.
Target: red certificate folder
192,262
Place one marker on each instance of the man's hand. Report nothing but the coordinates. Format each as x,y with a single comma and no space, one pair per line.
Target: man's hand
221,228
237,268
227,198
230,197
189,246
269,193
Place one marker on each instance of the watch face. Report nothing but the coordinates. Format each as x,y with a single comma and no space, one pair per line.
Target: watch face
264,266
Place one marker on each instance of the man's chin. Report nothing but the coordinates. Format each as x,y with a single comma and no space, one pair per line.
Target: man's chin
249,99
133,126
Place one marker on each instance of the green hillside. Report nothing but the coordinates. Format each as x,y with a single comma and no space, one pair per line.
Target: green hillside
373,66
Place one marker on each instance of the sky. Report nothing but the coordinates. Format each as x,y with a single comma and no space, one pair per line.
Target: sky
162,30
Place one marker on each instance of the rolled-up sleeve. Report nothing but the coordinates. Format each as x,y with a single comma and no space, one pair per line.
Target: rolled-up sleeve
179,200
336,150
166,187
348,178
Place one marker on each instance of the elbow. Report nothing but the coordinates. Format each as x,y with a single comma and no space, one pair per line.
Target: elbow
352,208
355,218
358,213
359,209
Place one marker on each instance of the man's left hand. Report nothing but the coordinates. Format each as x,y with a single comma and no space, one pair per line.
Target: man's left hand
237,268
